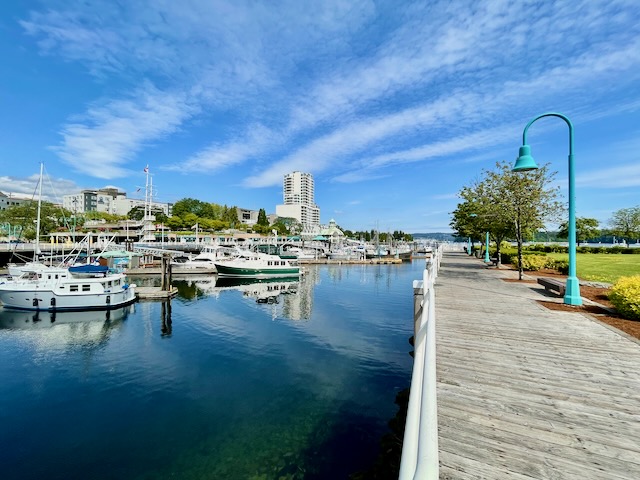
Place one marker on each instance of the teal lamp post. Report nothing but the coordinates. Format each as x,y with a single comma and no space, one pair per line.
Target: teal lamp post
526,162
486,249
486,244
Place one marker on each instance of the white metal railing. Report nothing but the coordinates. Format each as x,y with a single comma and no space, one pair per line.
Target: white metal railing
420,444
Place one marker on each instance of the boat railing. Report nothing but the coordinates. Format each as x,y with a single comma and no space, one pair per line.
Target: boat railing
420,445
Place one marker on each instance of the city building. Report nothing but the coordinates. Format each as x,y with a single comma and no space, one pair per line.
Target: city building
11,200
298,191
108,200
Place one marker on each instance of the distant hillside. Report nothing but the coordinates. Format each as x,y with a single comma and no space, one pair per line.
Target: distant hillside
441,237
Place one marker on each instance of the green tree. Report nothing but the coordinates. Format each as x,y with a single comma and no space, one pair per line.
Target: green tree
26,214
262,218
476,215
507,204
626,223
197,207
174,222
586,228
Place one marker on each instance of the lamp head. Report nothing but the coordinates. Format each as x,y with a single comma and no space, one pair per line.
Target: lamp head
525,161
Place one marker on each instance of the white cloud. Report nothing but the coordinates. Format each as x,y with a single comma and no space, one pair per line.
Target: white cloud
103,140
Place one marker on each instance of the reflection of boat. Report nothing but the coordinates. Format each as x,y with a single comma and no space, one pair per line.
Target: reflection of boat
257,265
23,319
264,290
59,289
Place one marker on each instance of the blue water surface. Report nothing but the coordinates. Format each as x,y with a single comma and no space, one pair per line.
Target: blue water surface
231,382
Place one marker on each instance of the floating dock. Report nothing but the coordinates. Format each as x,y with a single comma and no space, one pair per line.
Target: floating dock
155,293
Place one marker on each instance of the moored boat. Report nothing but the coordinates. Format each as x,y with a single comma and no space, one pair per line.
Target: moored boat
57,289
257,265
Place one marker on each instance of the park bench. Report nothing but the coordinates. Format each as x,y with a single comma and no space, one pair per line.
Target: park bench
552,285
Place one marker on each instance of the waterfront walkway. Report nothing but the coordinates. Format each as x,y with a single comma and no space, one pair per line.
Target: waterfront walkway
525,392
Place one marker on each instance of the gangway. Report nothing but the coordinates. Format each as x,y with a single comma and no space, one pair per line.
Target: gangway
158,252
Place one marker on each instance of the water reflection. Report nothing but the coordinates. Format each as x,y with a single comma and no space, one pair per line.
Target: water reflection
66,328
166,328
288,297
27,319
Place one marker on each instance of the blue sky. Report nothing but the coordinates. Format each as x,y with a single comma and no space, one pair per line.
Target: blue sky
393,106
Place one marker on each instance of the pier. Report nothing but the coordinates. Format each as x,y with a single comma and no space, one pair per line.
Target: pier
523,392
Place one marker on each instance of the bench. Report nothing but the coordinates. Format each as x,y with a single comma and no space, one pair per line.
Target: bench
552,285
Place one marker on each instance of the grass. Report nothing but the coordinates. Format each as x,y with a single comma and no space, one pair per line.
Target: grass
603,267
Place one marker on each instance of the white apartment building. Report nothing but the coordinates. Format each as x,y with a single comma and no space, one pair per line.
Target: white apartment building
107,200
298,190
12,200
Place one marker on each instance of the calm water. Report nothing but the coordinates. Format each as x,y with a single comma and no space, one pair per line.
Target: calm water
218,385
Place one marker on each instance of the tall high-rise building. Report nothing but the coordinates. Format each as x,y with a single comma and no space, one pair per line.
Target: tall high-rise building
298,200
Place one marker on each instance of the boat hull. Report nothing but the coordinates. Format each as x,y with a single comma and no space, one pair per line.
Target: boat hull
248,272
49,300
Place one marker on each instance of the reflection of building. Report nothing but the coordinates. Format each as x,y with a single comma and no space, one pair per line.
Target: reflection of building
298,191
300,305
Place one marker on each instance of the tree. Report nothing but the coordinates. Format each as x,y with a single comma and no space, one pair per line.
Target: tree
262,218
197,207
477,215
528,198
507,203
26,214
626,223
586,228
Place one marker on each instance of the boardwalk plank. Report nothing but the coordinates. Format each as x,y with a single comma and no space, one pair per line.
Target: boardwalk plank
526,392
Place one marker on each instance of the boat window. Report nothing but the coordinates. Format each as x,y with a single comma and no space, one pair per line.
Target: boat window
86,288
109,283
73,288
269,262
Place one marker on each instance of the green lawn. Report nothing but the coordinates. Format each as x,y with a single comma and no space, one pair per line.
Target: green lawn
603,267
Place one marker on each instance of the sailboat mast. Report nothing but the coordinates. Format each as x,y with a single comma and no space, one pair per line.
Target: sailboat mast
37,249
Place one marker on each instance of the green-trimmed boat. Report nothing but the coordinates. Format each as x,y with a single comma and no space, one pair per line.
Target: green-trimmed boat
257,265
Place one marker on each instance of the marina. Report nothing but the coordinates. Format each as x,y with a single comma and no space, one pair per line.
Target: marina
220,382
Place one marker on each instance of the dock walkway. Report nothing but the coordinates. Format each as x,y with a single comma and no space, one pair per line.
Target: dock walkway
525,392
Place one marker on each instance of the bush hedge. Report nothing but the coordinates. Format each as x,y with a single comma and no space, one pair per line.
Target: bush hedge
625,296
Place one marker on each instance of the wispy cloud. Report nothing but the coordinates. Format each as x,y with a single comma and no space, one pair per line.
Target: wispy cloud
52,188
108,136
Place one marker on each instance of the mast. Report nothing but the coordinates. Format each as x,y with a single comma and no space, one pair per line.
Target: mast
36,251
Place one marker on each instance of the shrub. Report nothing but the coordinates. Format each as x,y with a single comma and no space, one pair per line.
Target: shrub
506,256
625,296
531,262
561,266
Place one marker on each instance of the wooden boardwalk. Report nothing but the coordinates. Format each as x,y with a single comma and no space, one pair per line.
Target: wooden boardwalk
525,392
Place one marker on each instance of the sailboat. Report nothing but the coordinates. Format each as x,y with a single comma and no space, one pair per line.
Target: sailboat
17,269
35,286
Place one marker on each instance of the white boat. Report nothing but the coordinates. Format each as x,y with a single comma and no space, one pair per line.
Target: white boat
256,265
206,259
57,289
17,269
347,253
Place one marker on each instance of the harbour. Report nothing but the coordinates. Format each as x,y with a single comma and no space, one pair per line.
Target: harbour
217,383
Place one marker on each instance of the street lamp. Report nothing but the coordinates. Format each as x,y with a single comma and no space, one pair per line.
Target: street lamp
525,162
486,243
